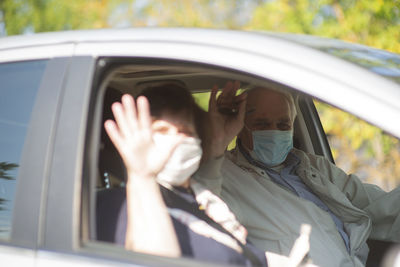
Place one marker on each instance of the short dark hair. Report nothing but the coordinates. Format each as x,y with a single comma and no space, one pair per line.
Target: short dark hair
170,97
176,99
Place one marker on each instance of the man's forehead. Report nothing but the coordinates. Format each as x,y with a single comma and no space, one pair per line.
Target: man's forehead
262,93
263,102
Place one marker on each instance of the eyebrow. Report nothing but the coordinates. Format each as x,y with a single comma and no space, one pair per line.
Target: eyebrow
262,120
285,119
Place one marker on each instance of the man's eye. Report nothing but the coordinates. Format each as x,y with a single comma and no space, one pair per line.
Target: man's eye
284,126
262,125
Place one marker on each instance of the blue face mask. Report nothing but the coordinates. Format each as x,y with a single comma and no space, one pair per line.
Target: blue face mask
271,147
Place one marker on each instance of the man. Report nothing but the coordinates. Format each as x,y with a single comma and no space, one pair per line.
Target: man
273,188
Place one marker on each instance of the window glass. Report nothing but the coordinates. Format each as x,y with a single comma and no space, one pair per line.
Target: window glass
19,83
361,148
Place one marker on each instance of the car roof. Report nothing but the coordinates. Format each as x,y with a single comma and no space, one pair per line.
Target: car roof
379,61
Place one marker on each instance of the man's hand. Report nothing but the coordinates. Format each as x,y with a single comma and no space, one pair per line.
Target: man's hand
226,114
132,135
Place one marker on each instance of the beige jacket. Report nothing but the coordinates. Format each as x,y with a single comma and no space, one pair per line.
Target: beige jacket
273,215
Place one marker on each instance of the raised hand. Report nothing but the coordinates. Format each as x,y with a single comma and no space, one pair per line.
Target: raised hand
132,135
226,114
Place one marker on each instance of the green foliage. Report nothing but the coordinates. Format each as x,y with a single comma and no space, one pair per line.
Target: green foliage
184,13
374,23
361,148
54,15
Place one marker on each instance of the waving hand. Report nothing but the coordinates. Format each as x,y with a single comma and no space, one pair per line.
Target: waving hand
226,114
131,134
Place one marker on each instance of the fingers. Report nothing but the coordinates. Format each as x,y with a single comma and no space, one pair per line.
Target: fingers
212,105
128,104
242,106
226,95
236,86
129,122
227,101
144,113
113,133
121,119
230,89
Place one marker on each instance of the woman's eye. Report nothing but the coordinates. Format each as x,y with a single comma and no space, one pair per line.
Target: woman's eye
187,131
163,130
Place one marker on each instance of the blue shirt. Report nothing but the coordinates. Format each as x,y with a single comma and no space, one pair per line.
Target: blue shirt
289,179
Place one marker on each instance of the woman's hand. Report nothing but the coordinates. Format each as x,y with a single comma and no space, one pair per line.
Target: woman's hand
226,114
149,226
132,135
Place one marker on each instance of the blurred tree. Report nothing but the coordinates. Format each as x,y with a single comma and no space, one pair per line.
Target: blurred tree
20,16
24,16
361,148
374,23
232,14
5,168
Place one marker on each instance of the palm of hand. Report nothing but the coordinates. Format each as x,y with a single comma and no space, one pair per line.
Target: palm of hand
226,126
141,156
132,136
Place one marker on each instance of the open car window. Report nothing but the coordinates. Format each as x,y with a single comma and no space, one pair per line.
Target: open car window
104,188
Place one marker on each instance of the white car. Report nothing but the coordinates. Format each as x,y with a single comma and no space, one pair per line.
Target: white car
56,163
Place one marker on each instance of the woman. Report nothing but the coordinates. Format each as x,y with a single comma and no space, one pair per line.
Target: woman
166,212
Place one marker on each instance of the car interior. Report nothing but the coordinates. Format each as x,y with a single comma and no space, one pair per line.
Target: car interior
115,77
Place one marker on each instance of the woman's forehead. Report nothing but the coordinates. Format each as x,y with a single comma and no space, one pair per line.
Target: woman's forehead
181,116
179,120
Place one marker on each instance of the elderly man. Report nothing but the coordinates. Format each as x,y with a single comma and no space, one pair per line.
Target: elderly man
273,188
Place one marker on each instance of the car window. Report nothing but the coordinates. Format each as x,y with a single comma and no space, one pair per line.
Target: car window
19,85
361,148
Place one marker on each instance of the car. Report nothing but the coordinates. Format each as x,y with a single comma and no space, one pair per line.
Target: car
56,163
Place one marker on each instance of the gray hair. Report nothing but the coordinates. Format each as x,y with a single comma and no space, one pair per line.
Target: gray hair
287,95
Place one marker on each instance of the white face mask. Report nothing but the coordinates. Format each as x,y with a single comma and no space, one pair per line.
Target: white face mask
184,161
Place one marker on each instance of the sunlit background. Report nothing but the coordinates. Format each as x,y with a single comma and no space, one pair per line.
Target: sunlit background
357,146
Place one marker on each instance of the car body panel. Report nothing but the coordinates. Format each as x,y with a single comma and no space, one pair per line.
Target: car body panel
33,174
64,189
16,256
35,52
378,61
